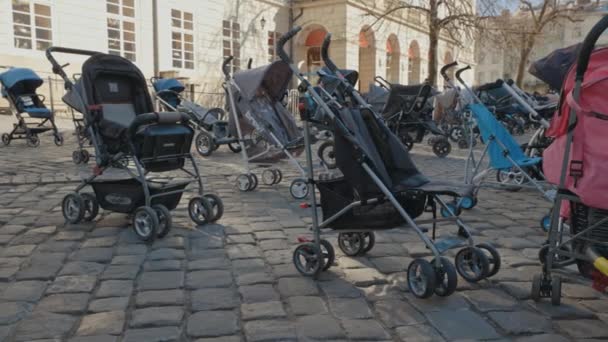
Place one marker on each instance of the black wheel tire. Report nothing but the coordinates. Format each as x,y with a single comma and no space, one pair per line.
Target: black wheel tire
329,254
6,139
91,207
243,182
308,260
145,223
72,208
585,268
329,160
269,177
165,221
493,258
500,179
200,210
442,148
456,133
556,290
463,144
253,181
472,264
351,244
299,188
204,144
33,141
421,278
235,147
77,157
447,278
85,156
536,284
279,175
369,239
217,206
58,140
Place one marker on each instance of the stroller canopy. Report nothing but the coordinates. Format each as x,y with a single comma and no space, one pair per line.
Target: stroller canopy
272,79
20,81
172,84
553,69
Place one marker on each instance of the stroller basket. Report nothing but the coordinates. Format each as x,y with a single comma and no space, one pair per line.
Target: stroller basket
162,148
125,195
336,194
583,217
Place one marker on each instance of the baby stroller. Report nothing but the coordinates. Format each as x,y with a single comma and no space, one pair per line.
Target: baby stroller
19,89
266,131
213,130
381,189
576,162
120,119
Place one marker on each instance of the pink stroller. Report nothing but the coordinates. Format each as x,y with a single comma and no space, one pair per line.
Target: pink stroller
577,161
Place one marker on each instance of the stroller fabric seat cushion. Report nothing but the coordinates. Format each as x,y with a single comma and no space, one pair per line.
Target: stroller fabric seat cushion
40,113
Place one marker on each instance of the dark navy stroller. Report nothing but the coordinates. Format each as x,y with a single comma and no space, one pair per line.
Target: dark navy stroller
19,88
213,129
382,189
119,116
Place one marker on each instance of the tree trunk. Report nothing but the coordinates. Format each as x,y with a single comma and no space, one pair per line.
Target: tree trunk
523,60
433,42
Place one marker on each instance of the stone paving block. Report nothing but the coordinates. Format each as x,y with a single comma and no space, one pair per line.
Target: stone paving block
114,288
243,251
95,338
269,330
340,288
69,235
107,241
391,264
213,299
166,253
318,327
289,287
208,278
347,308
265,310
519,290
568,309
543,338
68,303
258,293
45,325
365,329
110,323
458,325
100,255
364,277
7,273
81,268
491,300
255,278
206,243
160,280
26,291
375,293
274,245
395,313
583,328
12,312
418,332
135,259
66,284
209,264
39,272
456,301
599,305
163,265
212,324
244,266
135,249
579,291
120,272
521,322
160,298
302,305
18,251
156,316
164,334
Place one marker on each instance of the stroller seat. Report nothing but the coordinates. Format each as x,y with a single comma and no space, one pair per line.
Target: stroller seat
32,106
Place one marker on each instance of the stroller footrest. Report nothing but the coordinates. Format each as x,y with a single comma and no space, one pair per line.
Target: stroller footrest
448,243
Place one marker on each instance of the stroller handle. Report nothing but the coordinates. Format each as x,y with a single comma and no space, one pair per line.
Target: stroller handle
281,43
460,71
445,69
57,68
325,53
589,46
225,64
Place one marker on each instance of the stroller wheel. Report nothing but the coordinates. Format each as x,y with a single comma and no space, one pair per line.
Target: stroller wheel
205,144
467,202
369,240
72,208
308,260
145,223
234,147
463,144
327,155
165,222
352,244
431,141
217,206
493,258
77,157
421,278
33,141
254,181
85,156
299,188
6,139
545,223
243,182
200,210
91,207
454,210
472,264
447,279
269,177
279,175
442,148
329,254
536,287
58,139
511,178
556,290
456,133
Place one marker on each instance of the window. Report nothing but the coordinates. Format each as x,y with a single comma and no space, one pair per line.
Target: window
32,25
231,43
273,37
121,28
182,39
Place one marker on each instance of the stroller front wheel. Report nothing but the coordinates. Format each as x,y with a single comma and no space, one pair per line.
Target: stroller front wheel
217,206
200,210
472,264
33,141
77,157
243,182
442,148
299,188
352,244
447,279
145,223
165,222
308,259
6,139
327,155
205,144
58,139
421,278
73,208
234,147
91,207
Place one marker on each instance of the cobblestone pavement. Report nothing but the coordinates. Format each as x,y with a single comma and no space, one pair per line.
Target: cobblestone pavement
235,281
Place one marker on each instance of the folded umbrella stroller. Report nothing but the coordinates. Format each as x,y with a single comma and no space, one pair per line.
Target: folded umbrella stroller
266,131
381,189
576,162
213,130
33,117
119,116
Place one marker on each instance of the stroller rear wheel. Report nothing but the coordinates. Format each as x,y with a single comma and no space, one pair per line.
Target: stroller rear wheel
442,148
58,139
91,207
472,264
145,223
200,210
33,141
421,278
217,206
447,279
73,208
299,188
6,139
329,254
85,156
243,182
327,155
369,239
352,244
205,144
456,133
278,174
511,178
254,181
165,222
234,147
269,177
77,157
493,258
308,259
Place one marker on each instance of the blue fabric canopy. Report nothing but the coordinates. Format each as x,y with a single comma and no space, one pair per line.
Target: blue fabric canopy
20,80
168,84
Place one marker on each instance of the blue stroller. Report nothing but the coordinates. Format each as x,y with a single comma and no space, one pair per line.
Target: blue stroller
213,129
19,88
120,119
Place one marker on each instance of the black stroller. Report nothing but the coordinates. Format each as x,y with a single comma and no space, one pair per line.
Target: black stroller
382,189
19,88
213,129
119,116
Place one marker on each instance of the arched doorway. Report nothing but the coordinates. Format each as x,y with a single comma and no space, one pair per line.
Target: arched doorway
447,59
308,49
393,59
413,55
367,58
